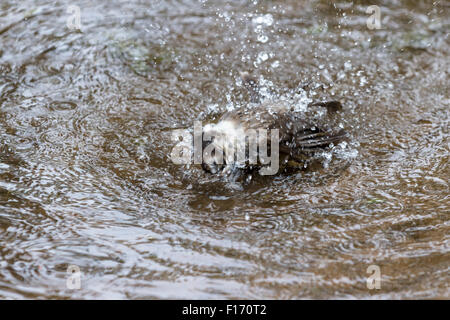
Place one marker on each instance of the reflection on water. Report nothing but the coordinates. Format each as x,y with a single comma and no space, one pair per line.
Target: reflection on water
85,175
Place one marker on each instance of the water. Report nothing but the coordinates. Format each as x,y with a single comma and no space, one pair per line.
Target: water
86,179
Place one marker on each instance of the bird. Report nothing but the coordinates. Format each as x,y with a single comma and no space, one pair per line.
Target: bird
301,134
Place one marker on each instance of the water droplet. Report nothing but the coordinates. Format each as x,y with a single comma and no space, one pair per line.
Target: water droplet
263,38
262,56
266,19
347,65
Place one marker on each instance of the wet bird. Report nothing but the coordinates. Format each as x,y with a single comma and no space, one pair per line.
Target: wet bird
301,133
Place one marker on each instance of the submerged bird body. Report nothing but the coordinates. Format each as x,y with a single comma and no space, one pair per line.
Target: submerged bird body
301,134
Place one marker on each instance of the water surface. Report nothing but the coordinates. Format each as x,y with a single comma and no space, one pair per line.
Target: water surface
86,178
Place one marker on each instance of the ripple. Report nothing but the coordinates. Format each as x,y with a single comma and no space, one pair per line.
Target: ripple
85,176
62,105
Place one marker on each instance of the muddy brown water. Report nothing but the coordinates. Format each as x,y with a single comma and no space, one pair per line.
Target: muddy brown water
86,178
